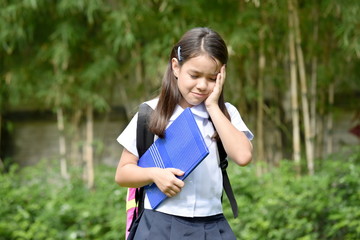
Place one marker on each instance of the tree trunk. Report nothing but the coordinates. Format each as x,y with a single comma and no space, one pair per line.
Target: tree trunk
89,147
275,114
304,92
313,102
260,105
321,126
329,121
294,95
313,90
278,141
320,138
62,143
75,154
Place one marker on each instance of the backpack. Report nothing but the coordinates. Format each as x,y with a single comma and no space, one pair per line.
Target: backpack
135,196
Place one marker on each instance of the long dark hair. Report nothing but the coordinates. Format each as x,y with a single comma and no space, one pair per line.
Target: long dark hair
193,43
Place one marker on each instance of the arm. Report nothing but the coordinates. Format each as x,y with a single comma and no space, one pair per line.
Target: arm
235,142
128,174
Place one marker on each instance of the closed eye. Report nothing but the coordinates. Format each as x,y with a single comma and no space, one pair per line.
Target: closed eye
212,77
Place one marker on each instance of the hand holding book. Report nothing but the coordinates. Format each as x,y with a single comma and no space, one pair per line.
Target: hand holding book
167,180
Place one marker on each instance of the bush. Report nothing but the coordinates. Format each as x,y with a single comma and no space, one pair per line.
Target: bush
37,204
280,206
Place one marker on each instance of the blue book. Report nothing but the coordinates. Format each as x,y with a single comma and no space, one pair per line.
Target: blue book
183,147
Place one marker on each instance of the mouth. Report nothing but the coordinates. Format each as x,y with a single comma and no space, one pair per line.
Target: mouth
200,95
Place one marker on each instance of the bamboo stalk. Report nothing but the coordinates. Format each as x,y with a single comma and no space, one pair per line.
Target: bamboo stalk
313,91
294,95
304,92
260,103
329,121
75,139
89,148
62,143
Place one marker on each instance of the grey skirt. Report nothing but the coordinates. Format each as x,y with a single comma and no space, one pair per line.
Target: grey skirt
155,225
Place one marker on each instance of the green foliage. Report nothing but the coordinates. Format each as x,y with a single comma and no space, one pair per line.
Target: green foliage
65,52
37,204
74,54
280,206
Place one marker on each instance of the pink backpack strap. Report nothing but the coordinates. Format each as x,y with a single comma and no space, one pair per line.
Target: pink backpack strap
130,207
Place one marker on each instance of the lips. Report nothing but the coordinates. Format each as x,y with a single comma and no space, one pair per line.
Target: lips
200,95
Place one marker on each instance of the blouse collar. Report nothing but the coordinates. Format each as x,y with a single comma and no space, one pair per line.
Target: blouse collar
198,110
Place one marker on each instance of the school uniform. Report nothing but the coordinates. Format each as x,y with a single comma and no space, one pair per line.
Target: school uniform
196,211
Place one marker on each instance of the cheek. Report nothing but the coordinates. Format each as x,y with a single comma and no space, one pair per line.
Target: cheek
183,82
212,85
181,85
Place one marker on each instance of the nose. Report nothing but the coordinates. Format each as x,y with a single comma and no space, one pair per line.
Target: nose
201,84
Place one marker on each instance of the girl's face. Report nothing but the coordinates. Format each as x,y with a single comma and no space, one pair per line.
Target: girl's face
196,79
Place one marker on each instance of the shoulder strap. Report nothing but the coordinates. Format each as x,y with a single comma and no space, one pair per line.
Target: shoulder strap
226,181
144,139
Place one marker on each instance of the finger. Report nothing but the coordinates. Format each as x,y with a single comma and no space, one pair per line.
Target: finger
180,184
218,77
219,82
223,72
171,189
221,76
171,192
176,171
177,183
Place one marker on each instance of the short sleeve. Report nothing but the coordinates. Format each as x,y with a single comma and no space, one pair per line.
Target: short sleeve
237,121
128,137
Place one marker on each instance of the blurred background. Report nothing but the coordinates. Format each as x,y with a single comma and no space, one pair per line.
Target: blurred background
72,74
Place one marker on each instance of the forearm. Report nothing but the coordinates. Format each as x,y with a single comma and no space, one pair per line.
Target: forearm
235,142
130,175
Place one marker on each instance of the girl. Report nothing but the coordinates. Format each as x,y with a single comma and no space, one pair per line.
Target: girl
194,78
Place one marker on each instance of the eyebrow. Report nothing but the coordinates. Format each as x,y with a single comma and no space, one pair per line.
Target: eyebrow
197,72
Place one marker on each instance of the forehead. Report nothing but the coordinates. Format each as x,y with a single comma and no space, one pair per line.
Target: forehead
202,64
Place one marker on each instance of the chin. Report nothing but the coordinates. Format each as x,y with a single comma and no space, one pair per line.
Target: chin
195,104
192,103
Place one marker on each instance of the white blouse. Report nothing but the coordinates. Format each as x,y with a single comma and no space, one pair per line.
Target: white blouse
201,195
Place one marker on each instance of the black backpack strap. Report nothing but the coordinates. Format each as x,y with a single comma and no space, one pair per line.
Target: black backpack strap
144,139
226,181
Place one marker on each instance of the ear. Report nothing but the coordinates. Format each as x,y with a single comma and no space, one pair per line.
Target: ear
175,67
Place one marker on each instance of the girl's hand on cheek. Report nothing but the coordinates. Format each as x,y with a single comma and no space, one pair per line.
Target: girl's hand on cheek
167,182
214,96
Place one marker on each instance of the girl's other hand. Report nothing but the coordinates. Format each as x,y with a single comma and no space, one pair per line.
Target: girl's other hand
167,182
214,96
